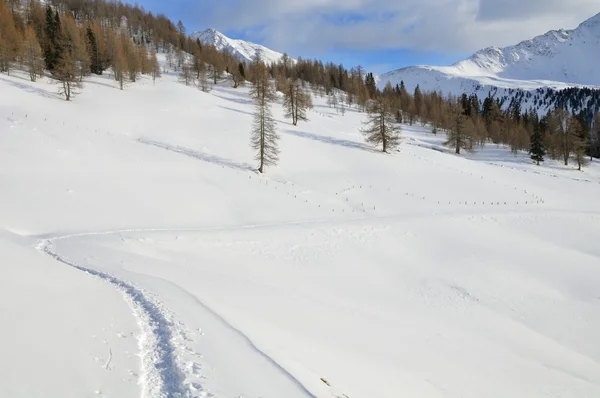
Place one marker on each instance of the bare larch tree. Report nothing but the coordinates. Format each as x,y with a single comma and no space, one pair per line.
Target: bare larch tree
380,127
264,138
459,128
296,101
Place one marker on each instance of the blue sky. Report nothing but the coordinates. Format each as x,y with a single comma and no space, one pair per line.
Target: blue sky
380,35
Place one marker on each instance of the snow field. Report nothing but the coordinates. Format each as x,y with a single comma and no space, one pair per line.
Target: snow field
418,273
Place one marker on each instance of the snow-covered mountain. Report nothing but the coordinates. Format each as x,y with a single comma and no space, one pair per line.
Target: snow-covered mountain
557,59
244,50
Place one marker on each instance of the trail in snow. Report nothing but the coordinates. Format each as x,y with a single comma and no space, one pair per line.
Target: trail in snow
161,376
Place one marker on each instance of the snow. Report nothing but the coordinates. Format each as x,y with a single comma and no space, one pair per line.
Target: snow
550,60
244,50
143,255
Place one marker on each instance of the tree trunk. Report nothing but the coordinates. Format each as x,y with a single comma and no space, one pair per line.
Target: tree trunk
566,150
67,88
457,143
262,142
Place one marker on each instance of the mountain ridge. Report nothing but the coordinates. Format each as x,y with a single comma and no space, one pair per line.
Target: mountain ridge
242,49
548,60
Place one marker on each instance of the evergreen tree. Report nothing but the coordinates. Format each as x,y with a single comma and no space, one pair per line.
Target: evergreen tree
595,137
53,47
418,101
370,85
242,71
537,149
405,99
94,54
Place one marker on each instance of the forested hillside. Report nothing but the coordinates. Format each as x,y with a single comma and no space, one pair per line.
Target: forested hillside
67,40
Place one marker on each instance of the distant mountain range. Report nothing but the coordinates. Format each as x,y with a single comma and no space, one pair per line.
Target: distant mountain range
557,59
243,50
558,69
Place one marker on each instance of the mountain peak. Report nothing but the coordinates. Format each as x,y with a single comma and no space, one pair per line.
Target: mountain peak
243,50
558,58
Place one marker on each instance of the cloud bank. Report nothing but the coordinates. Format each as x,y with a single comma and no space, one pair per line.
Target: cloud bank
442,26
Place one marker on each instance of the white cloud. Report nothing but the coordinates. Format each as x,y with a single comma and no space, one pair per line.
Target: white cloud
444,26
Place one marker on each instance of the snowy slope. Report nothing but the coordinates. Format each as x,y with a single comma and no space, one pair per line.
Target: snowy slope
148,256
244,50
551,60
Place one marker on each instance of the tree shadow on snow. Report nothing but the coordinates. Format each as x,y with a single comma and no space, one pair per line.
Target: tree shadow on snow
236,110
100,83
331,140
29,88
216,160
237,99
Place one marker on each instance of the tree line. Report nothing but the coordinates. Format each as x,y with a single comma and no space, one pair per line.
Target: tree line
72,39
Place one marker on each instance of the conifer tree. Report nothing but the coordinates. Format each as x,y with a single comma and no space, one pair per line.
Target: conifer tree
404,97
73,38
186,75
92,47
296,101
537,149
119,62
380,127
459,128
578,141
65,70
145,61
33,54
370,85
203,82
264,138
595,137
236,74
155,66
242,71
561,122
418,100
53,46
9,39
412,112
217,65
133,61
197,61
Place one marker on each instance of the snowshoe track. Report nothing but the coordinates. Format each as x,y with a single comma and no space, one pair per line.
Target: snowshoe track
160,376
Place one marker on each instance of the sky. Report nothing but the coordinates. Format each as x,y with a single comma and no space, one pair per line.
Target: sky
381,35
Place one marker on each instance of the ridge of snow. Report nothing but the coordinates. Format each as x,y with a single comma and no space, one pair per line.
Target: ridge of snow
243,50
549,60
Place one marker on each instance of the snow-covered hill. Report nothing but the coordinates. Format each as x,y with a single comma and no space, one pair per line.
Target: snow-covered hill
557,59
244,50
142,255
